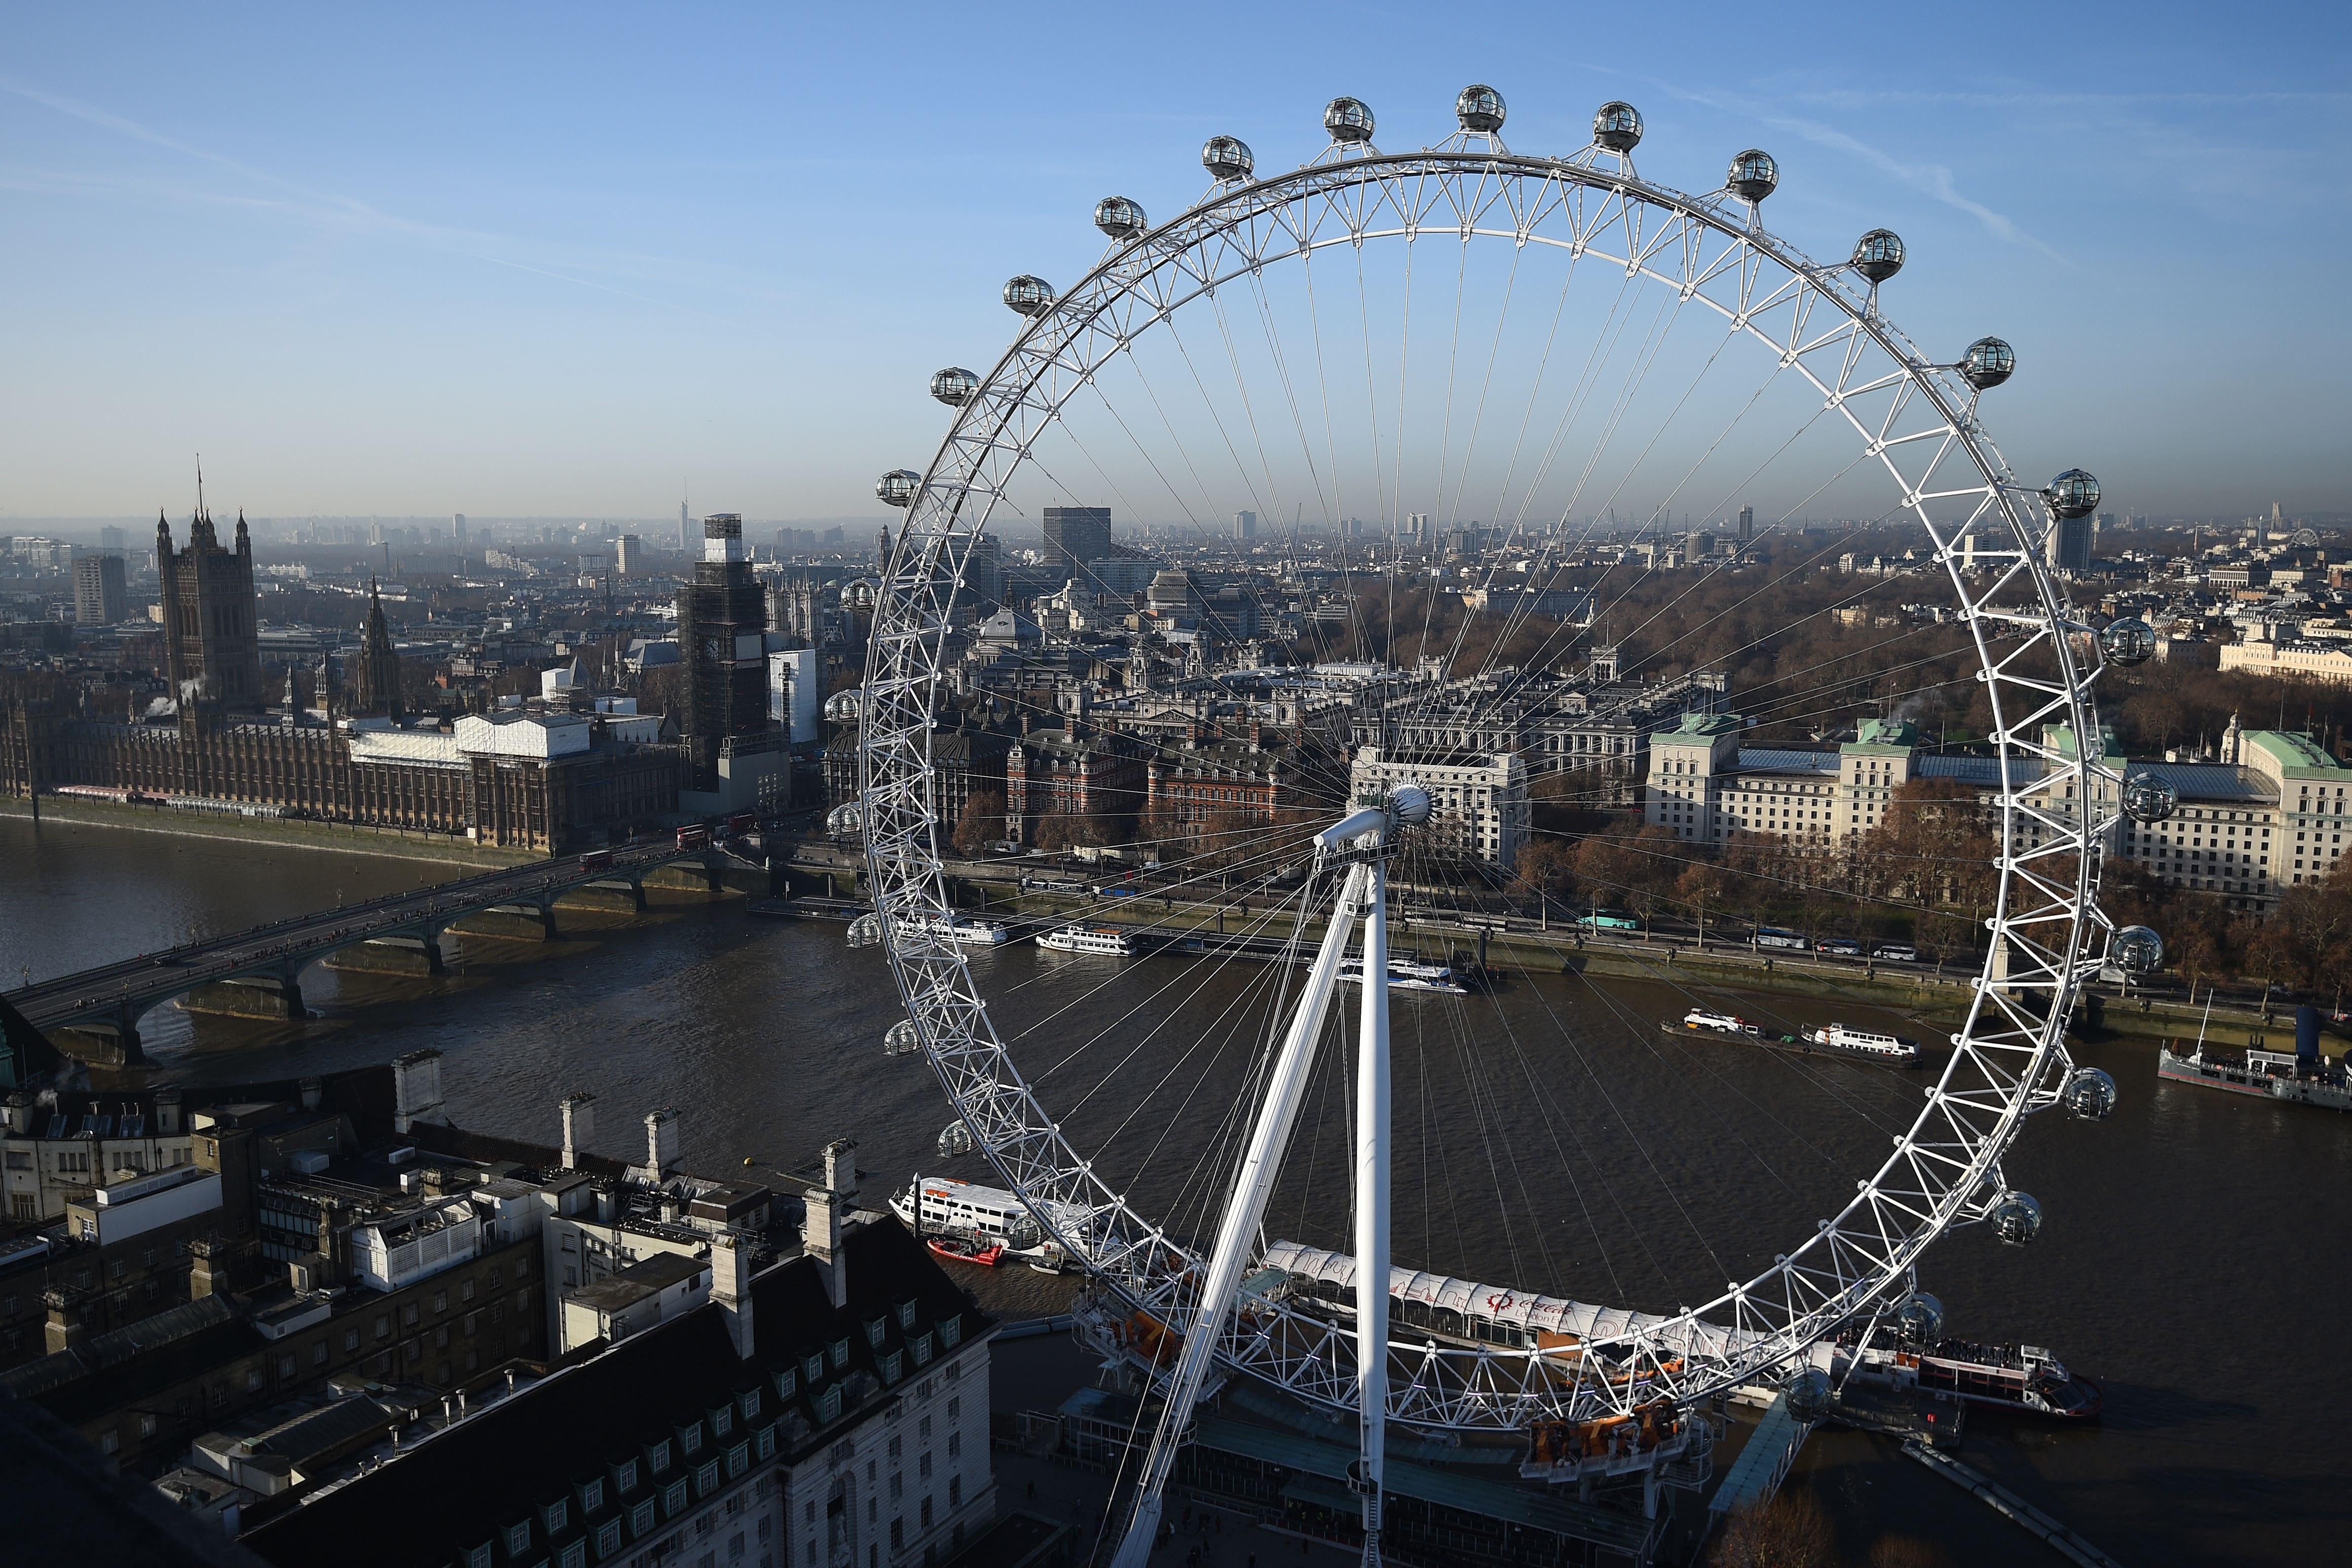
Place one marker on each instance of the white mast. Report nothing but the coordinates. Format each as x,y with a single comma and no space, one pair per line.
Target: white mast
1362,894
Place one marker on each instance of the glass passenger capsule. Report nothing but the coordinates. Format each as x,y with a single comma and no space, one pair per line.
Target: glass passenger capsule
954,386
2149,800
2016,1219
1349,120
847,705
955,1140
1119,218
1878,254
2128,642
1753,175
2139,950
1617,126
2090,1094
845,820
898,488
1808,1395
1028,295
865,930
1987,363
2072,494
1920,1319
1480,109
1227,158
902,1038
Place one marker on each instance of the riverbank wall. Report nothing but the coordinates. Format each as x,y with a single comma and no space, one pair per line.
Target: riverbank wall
338,838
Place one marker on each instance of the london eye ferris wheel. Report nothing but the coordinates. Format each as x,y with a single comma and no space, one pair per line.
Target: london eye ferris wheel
1484,1212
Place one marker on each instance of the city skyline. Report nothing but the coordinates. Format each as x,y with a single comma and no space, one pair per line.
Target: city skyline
517,279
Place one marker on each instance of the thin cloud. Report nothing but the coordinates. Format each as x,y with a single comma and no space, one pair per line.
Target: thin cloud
346,214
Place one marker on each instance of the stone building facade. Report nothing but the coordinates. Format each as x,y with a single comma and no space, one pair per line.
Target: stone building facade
212,645
540,783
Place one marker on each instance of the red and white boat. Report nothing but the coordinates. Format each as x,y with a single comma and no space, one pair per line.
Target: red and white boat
961,1249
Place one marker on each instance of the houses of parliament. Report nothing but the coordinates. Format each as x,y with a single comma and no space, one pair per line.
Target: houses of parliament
544,780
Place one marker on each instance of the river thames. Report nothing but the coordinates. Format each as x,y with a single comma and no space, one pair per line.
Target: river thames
2193,1260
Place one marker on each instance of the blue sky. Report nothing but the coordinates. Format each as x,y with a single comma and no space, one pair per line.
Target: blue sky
542,261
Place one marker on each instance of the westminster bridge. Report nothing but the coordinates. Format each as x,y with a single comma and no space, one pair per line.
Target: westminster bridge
259,972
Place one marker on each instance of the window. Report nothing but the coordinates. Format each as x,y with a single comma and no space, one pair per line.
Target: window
557,1512
608,1538
927,1514
641,1517
591,1497
518,1539
383,1325
705,1479
660,1460
894,1447
829,1407
955,1492
408,1316
722,1420
522,1271
318,1354
465,1292
923,1428
923,1466
108,1442
575,1556
840,1352
674,1500
690,1440
898,1534
625,1476
735,1546
146,1426
478,1556
739,1458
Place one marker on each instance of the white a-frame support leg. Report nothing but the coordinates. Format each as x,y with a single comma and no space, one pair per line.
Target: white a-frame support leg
1372,1211
1244,1213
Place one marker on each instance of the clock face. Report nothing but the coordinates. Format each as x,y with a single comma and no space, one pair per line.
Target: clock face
711,648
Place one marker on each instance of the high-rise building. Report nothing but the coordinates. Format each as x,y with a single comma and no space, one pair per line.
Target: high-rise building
723,620
377,693
1076,535
983,570
629,555
457,529
794,694
211,647
1245,524
685,529
100,597
1747,525
113,540
2069,544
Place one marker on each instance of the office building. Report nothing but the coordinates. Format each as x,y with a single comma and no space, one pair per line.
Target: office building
1479,801
1747,525
722,621
1245,524
457,530
794,697
1076,535
2071,541
629,555
100,597
113,538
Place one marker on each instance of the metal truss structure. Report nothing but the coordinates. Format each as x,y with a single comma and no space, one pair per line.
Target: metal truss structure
2038,662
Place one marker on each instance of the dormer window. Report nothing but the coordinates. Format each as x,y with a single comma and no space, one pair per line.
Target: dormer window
788,1382
813,1369
691,1439
750,1403
722,1420
591,1497
661,1455
518,1539
840,1349
875,1328
907,1315
557,1512
624,1478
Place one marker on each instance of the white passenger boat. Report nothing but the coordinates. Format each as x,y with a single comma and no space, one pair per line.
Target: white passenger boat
1862,1043
947,1206
1106,941
1405,975
970,933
